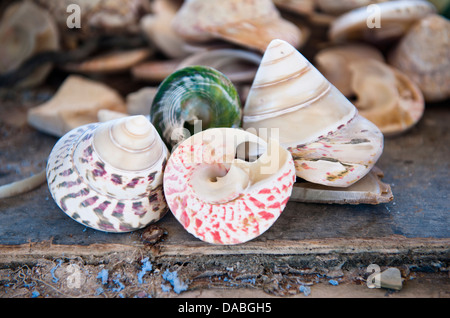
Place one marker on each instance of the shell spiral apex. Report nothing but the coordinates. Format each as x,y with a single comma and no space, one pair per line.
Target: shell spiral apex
330,143
228,186
108,176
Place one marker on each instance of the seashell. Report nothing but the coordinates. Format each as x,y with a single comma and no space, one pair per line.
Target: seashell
386,96
252,23
394,18
192,96
330,143
140,102
155,70
111,62
158,29
237,65
25,30
333,63
342,6
423,55
368,190
228,186
108,176
302,7
97,17
76,103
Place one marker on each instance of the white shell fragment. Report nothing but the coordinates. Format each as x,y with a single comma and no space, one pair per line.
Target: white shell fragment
251,23
228,186
158,28
108,176
76,103
423,54
368,190
237,65
330,143
382,22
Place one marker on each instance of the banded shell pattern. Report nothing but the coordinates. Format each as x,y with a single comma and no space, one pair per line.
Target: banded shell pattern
228,186
108,176
331,144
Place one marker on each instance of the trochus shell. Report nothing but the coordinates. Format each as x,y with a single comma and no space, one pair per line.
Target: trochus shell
108,176
331,144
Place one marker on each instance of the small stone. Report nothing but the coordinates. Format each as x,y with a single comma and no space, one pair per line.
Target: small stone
153,234
391,278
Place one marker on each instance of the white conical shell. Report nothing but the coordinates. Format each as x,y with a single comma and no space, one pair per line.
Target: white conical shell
218,196
289,93
108,176
291,98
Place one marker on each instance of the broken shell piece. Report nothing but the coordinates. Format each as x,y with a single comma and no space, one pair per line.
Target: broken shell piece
385,96
333,63
158,28
108,176
76,103
107,115
251,23
155,70
330,143
140,102
26,29
423,55
383,22
220,197
342,6
96,17
368,190
302,7
110,62
191,97
237,65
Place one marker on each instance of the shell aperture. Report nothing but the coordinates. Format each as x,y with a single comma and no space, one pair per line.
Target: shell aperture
221,196
194,95
331,144
108,176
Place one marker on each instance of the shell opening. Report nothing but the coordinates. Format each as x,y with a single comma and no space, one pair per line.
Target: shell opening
254,162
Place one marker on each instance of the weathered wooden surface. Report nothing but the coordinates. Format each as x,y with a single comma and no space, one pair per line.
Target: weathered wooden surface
415,164
412,230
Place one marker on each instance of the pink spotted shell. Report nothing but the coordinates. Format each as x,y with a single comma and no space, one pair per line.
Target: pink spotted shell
237,219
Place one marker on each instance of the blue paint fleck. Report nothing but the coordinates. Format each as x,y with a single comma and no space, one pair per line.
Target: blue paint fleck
306,290
117,281
172,278
333,282
35,294
103,275
99,291
165,288
52,271
146,267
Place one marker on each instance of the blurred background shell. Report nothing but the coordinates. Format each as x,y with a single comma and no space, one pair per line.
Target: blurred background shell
25,30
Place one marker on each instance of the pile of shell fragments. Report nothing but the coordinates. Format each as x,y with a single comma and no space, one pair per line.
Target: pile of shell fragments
333,77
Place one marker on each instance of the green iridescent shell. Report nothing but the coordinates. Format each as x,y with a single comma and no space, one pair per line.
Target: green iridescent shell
192,99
